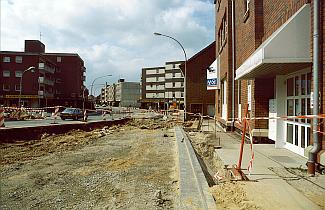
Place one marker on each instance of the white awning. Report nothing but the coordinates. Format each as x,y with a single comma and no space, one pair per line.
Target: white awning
286,50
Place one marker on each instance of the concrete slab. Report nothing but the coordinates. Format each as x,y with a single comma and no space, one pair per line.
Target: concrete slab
194,189
272,191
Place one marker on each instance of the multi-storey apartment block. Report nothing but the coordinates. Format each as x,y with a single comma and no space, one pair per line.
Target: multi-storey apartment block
123,94
58,78
163,87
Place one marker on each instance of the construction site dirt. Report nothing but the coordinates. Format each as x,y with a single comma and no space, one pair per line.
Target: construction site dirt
125,167
134,166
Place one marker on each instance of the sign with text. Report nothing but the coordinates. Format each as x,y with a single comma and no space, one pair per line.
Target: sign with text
213,78
22,96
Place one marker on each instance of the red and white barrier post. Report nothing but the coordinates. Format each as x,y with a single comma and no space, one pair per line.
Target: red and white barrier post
55,114
2,118
104,115
85,115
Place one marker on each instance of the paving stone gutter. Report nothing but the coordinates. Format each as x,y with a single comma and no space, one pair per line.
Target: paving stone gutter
194,189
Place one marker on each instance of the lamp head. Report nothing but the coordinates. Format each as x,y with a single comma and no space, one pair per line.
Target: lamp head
32,69
157,34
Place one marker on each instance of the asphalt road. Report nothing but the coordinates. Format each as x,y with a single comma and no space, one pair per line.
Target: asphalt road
50,120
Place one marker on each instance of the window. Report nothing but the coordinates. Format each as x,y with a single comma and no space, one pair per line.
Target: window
6,73
19,59
58,59
6,87
298,104
41,65
58,80
17,87
174,84
218,2
18,73
222,32
173,74
249,95
182,84
6,59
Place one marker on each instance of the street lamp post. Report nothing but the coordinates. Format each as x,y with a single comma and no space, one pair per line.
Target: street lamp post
32,69
184,75
83,98
92,84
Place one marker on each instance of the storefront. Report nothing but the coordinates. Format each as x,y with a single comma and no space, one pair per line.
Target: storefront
285,59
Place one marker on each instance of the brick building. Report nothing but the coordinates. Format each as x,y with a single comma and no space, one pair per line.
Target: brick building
224,46
273,51
198,98
58,78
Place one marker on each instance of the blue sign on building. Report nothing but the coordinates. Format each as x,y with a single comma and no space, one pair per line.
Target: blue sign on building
212,82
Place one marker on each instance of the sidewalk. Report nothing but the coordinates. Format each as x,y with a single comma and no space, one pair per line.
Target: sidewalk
278,179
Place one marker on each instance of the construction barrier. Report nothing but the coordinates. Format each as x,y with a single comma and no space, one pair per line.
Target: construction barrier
55,114
103,115
2,118
85,115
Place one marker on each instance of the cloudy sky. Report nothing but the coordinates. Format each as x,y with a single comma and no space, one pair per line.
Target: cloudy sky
111,36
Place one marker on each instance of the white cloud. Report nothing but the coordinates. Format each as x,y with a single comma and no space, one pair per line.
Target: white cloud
111,36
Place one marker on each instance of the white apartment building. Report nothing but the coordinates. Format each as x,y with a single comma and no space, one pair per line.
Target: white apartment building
163,87
123,94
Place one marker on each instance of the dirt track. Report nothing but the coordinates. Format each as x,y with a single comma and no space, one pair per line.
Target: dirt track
127,168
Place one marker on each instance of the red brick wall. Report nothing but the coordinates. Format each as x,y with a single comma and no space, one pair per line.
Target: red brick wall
29,82
196,85
263,91
225,53
277,12
246,43
322,31
245,32
70,74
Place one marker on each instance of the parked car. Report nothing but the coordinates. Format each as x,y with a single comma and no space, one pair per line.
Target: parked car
71,113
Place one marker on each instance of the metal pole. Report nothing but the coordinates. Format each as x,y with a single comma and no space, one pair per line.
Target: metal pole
21,81
316,64
20,88
92,84
38,94
184,75
233,65
83,99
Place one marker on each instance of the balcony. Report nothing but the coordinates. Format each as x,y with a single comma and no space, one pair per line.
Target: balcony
42,94
42,66
45,81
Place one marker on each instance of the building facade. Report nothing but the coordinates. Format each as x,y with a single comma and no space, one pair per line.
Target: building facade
224,45
198,98
163,87
58,78
272,55
123,94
